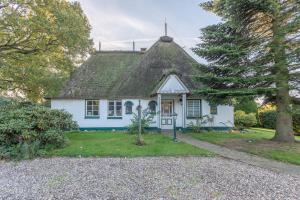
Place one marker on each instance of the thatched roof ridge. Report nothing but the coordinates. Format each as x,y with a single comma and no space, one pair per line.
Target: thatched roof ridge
128,74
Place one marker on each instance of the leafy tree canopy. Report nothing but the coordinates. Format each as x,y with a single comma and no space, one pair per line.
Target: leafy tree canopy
41,42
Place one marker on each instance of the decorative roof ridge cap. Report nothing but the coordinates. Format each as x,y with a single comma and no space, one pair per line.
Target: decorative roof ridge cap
166,39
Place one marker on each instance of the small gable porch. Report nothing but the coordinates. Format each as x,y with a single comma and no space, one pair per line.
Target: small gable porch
171,103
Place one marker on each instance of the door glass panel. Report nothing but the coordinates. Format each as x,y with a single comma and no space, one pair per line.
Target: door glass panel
167,108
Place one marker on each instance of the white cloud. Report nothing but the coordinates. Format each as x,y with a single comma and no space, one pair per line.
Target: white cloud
115,29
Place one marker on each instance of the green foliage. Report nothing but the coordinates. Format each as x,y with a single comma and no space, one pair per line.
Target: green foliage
268,119
296,123
25,129
41,42
243,120
146,120
255,51
246,104
197,125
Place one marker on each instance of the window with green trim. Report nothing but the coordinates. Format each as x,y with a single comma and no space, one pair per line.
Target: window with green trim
152,107
92,108
128,107
115,108
193,108
213,109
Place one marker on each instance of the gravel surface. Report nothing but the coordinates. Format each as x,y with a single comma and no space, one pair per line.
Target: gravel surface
143,178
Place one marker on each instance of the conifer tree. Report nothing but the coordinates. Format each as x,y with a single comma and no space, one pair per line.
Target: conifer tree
254,51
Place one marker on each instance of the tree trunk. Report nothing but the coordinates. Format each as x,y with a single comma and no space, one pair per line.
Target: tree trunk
284,122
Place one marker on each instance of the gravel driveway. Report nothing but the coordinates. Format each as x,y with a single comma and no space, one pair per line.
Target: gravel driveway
143,178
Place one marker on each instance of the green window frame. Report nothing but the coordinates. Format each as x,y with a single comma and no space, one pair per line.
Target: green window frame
213,108
128,107
194,108
92,108
152,106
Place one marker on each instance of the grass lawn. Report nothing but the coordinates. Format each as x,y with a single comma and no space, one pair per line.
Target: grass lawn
110,144
256,141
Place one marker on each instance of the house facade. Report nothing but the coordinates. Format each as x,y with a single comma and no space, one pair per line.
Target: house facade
103,94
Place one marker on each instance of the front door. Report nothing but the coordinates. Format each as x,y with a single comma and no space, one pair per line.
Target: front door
166,114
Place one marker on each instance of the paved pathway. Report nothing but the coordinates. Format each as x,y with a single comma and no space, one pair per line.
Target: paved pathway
241,156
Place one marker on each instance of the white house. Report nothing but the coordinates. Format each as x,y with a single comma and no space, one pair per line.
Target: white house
105,91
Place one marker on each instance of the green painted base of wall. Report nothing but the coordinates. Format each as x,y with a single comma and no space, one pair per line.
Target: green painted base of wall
151,129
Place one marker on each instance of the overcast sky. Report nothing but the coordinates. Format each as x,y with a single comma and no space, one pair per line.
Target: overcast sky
116,23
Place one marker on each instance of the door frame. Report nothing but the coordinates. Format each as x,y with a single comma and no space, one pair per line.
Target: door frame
169,118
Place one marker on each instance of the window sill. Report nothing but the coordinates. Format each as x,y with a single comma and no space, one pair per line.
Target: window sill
114,117
91,117
194,117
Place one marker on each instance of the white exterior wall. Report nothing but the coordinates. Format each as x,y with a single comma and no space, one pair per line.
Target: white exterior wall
225,115
77,109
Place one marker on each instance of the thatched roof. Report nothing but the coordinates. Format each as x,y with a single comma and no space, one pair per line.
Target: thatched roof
120,74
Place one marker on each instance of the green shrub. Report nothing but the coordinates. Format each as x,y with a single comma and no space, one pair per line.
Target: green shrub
268,119
55,138
146,120
243,120
197,125
26,128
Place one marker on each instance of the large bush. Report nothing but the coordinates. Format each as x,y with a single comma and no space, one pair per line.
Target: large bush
243,120
267,119
26,128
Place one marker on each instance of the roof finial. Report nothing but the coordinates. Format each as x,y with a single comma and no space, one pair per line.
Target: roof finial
166,27
133,45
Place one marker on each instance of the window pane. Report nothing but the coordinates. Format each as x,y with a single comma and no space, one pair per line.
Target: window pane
119,113
96,103
213,109
152,106
119,110
111,108
111,112
128,109
89,108
194,108
92,107
95,113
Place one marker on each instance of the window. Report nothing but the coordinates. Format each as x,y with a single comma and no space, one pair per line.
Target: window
92,108
213,108
152,107
128,107
115,108
193,108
